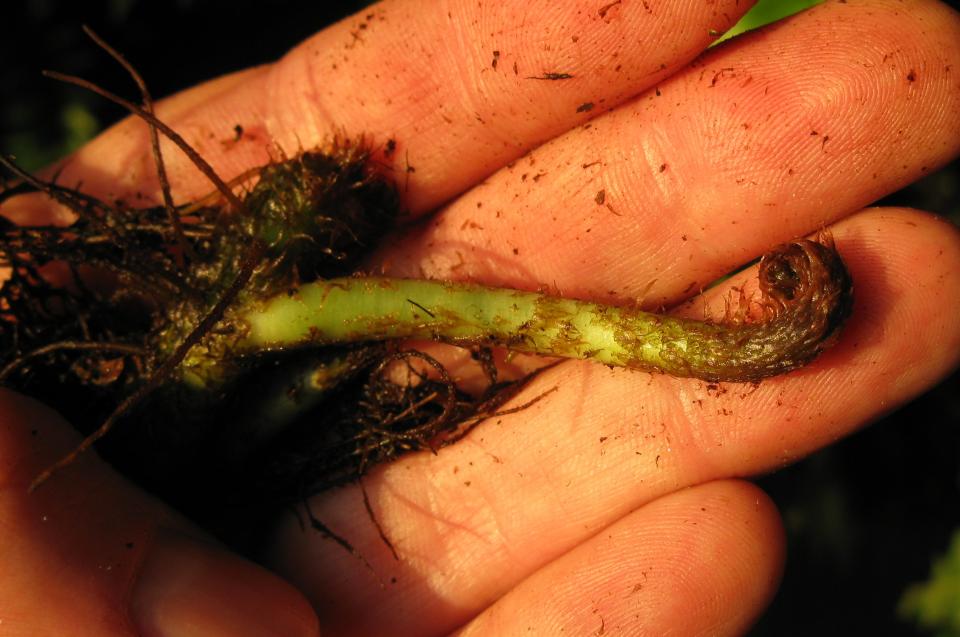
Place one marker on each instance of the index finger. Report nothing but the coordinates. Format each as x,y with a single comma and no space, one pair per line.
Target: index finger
461,89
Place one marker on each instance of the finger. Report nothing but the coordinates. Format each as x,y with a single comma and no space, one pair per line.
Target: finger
522,489
88,554
766,139
701,561
424,75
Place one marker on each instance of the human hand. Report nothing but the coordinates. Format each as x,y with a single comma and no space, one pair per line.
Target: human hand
613,503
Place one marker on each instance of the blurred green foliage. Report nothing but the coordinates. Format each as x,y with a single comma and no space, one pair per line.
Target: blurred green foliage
935,604
75,125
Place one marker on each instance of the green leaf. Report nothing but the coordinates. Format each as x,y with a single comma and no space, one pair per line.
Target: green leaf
766,12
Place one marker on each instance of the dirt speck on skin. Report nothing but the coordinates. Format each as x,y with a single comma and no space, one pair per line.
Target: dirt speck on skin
727,71
605,9
552,76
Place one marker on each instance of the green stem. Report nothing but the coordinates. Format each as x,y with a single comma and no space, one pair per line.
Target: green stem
805,296
280,393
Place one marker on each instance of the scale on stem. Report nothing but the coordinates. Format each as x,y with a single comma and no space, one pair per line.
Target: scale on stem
237,323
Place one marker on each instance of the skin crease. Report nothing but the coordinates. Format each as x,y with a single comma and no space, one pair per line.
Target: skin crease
551,517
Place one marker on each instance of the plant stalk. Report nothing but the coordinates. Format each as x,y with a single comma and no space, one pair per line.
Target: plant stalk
805,296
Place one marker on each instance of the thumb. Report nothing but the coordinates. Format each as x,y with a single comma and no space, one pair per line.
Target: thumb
89,554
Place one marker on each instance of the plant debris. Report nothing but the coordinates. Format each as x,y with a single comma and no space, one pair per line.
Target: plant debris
118,307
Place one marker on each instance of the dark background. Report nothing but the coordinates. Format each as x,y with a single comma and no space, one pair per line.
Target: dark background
864,517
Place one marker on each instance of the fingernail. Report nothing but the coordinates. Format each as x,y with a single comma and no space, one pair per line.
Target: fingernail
188,588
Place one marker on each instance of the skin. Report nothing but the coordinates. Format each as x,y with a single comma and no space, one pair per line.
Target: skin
615,502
